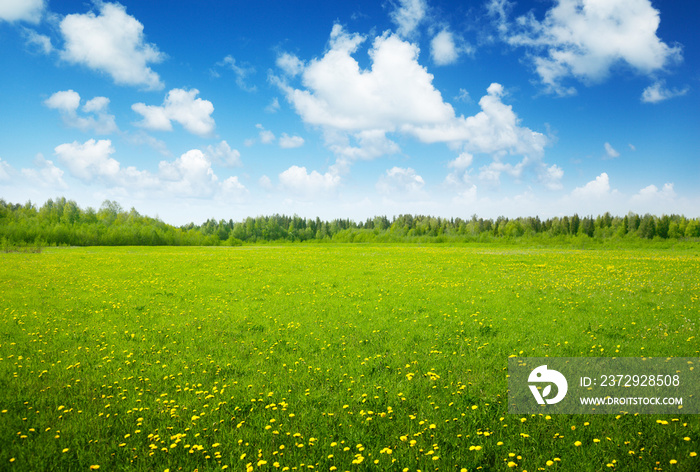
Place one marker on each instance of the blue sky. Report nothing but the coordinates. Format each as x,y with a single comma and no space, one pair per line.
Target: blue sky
196,110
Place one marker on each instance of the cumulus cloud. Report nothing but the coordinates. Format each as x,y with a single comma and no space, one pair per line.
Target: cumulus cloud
551,177
396,94
462,162
494,130
584,39
233,188
181,106
363,145
112,42
460,175
652,193
44,173
658,92
265,135
189,175
360,110
97,119
289,142
491,173
407,16
610,151
21,10
89,160
595,189
445,48
400,181
301,183
395,90
223,154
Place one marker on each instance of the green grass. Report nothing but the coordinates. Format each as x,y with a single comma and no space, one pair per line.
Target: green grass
316,356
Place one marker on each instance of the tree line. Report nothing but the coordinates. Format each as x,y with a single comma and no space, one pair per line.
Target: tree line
62,222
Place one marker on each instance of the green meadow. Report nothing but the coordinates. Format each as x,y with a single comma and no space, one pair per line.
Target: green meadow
330,357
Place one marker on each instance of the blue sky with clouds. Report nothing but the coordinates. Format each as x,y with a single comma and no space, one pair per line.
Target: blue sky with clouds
192,110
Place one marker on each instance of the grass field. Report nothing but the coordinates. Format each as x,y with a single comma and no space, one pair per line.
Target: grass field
329,358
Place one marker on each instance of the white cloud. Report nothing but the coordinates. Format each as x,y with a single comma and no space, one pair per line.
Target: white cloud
44,174
466,197
266,136
658,92
461,174
181,106
21,10
289,142
222,153
98,120
652,194
290,64
586,38
189,175
463,96
400,181
551,177
462,162
112,42
89,160
595,189
241,71
359,109
304,184
274,106
492,173
407,15
233,188
67,101
610,151
395,90
39,42
370,144
444,48
5,170
265,182
141,137
495,129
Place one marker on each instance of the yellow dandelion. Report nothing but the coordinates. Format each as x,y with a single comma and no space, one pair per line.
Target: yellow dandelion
66,450
673,461
577,443
549,463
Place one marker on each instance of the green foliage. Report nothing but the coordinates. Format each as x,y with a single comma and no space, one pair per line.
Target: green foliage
62,222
